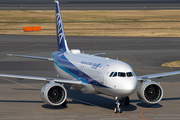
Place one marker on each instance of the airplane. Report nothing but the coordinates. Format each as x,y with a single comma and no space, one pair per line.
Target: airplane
92,74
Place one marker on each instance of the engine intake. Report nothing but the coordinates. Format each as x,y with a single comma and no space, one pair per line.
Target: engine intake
150,92
53,94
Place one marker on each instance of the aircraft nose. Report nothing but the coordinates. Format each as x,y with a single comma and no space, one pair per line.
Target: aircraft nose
130,85
123,87
127,86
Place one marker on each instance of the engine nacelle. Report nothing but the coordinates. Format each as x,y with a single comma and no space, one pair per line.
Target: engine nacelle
53,94
150,92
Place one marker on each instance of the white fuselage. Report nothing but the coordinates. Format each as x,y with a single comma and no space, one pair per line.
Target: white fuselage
98,74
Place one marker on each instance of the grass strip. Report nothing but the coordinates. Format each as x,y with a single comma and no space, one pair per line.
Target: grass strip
135,23
171,64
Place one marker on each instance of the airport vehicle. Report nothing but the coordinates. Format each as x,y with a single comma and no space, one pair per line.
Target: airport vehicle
92,74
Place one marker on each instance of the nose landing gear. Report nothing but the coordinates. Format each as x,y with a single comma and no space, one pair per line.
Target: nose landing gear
118,107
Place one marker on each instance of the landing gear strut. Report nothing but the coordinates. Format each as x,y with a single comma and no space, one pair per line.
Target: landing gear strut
118,108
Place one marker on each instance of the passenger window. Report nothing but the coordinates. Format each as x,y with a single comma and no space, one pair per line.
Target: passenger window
129,74
121,74
115,74
111,74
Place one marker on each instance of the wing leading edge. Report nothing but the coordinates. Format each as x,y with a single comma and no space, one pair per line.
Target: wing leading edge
158,75
63,81
33,57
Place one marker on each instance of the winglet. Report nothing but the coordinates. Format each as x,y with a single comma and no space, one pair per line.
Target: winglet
61,40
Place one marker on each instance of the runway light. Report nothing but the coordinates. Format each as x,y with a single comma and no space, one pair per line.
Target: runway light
32,28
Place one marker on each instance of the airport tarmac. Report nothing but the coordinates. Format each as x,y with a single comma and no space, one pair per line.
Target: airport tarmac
21,99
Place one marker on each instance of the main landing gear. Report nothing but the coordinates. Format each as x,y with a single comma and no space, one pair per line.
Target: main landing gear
118,107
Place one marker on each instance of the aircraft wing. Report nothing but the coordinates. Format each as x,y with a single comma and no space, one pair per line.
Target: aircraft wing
64,81
33,57
158,75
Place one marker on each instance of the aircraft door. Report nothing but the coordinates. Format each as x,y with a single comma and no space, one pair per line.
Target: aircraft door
103,72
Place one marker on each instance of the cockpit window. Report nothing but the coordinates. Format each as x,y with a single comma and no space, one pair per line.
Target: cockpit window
133,74
129,74
111,74
115,74
121,74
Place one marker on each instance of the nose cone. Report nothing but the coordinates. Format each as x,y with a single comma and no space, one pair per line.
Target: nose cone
129,83
125,86
129,86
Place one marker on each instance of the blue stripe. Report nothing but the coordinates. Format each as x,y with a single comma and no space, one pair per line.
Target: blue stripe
63,63
67,71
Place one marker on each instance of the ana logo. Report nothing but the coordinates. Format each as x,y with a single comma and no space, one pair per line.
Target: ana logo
95,65
59,27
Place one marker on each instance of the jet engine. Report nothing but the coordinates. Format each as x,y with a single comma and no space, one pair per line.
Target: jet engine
150,92
53,94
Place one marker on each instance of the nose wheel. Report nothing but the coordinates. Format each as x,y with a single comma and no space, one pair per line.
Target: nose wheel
118,107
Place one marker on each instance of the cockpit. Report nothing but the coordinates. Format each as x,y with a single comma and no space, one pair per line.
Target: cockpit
122,74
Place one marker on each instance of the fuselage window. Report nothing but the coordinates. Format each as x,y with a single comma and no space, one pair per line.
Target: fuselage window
129,74
121,74
111,74
115,74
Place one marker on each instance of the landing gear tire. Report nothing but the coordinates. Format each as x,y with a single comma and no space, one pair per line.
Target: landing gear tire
118,108
64,104
126,101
